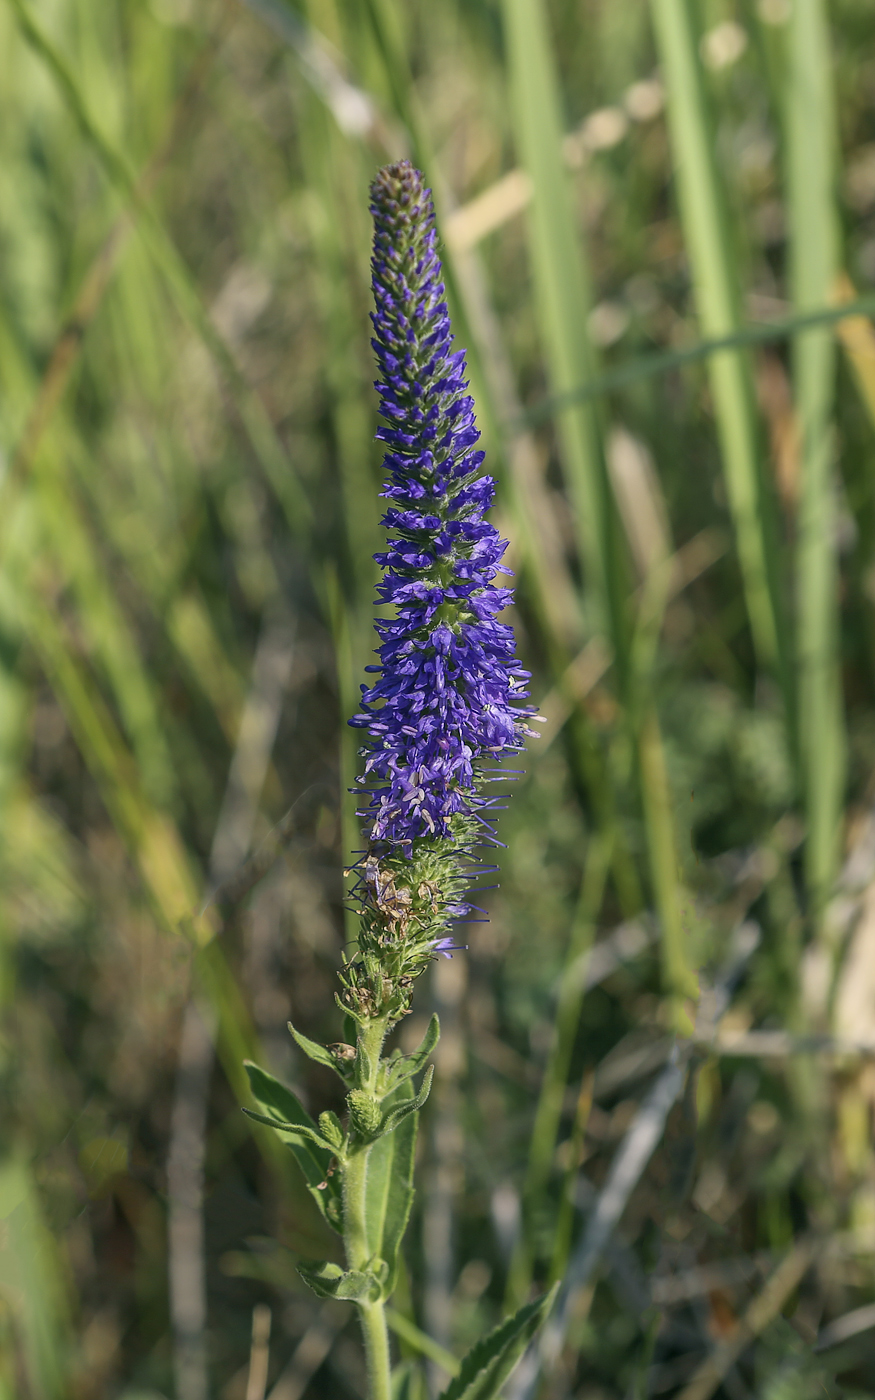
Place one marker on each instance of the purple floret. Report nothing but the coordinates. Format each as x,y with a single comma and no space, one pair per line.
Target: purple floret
449,687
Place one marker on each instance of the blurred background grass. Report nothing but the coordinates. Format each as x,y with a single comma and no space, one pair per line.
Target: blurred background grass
188,511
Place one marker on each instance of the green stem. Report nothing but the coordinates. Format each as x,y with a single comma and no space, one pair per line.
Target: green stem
373,1319
355,1230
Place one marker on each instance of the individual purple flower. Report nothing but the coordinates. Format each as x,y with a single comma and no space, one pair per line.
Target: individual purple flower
449,688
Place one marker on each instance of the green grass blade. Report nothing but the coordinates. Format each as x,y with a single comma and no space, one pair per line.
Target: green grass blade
706,233
32,1284
659,822
662,361
813,222
421,1343
563,296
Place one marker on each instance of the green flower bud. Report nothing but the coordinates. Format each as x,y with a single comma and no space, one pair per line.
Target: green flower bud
330,1128
365,1110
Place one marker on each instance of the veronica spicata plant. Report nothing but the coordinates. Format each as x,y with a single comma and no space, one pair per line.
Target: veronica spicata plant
448,699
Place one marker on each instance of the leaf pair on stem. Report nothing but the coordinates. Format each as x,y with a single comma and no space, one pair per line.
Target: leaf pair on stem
361,1178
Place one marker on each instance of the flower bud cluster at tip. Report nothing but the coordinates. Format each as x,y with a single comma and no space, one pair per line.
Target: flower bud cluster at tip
449,688
409,907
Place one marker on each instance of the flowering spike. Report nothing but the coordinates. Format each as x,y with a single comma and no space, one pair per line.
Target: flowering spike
449,686
448,701
449,692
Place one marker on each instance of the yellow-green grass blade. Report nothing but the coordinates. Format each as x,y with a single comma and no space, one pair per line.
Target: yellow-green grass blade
110,637
35,1333
562,299
101,617
32,1286
662,848
706,234
151,837
856,335
810,140
28,594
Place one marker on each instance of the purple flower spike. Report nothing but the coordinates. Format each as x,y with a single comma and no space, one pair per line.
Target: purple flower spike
449,686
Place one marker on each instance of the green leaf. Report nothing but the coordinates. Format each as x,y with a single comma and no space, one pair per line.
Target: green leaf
319,1053
303,1134
490,1362
313,1154
421,1342
389,1188
408,1382
281,1102
406,1066
351,1018
351,1285
32,1283
396,1116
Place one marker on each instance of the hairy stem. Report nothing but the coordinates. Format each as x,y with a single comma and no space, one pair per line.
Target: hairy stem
355,1232
376,1335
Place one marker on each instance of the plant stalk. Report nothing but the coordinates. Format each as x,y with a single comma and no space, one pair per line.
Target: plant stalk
355,1229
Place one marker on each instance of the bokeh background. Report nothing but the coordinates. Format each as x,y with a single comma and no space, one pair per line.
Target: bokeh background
188,509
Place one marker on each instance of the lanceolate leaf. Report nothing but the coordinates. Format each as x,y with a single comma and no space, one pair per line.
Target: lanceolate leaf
489,1363
312,1154
314,1051
408,1065
390,1187
395,1116
295,1130
283,1105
